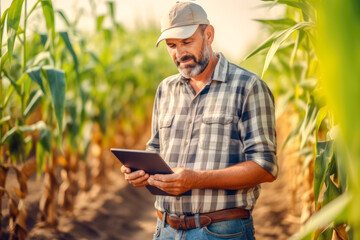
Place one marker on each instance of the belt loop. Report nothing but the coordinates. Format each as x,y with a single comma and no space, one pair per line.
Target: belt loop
164,219
197,220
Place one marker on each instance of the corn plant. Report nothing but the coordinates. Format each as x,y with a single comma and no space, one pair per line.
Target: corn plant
27,81
110,74
292,59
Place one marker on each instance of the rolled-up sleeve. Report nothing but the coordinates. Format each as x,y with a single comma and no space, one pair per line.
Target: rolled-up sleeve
257,126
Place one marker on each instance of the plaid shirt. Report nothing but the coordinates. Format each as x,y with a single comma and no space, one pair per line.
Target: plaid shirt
231,120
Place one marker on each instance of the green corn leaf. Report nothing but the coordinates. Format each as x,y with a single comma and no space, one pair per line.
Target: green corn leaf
99,22
2,24
25,82
267,43
278,23
322,218
45,139
48,12
13,20
308,124
41,59
35,75
4,58
280,39
332,168
305,7
13,83
4,120
326,234
38,126
111,10
9,92
65,37
299,38
33,100
324,152
62,15
56,81
9,134
43,148
331,192
43,38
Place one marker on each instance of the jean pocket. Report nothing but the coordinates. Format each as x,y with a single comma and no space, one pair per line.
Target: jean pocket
230,229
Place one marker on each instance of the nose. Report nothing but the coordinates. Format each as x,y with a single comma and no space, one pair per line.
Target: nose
179,52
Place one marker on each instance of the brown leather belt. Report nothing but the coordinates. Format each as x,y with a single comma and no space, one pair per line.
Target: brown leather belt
205,219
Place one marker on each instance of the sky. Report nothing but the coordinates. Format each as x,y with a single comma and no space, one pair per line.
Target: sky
236,32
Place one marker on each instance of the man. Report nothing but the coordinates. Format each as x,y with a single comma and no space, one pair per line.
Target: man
214,125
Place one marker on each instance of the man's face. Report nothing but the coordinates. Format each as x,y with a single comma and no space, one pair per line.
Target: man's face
190,55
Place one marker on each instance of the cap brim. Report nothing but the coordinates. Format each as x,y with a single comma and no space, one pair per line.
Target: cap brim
178,33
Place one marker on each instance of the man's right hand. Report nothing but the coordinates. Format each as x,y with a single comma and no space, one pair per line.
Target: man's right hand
138,178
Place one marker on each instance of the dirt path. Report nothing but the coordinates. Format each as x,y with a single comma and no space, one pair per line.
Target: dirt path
271,214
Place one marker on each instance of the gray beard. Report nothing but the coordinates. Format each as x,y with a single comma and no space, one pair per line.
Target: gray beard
198,67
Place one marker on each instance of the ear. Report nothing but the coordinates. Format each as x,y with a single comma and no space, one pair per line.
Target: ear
209,34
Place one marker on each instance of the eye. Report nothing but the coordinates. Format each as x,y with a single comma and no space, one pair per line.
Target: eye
171,45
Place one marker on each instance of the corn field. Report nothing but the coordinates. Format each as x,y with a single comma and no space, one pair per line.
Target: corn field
67,97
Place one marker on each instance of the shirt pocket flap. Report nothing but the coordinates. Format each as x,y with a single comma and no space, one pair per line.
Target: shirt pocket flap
219,118
166,121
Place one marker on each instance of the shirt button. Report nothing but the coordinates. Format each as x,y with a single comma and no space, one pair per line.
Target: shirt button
186,143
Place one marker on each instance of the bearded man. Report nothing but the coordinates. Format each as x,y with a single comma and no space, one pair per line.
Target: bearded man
214,124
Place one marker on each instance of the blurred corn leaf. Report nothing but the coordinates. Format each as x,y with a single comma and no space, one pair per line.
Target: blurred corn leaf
13,20
32,102
325,216
2,24
34,74
56,81
65,37
324,154
48,12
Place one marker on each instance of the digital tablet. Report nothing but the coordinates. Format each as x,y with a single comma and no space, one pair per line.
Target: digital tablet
150,162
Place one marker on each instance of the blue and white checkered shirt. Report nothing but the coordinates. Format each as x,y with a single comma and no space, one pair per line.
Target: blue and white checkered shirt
231,120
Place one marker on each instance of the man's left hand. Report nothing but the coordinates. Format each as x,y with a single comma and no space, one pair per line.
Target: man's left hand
182,180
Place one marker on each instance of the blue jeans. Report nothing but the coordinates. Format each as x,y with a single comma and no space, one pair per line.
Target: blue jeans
236,229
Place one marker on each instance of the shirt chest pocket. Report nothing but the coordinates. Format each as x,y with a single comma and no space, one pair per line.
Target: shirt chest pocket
215,131
165,123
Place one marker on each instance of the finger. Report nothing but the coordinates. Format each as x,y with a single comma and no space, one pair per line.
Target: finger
139,180
160,184
166,177
125,169
142,184
134,175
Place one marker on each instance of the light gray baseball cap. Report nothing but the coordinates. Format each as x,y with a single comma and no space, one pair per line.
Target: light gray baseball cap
181,21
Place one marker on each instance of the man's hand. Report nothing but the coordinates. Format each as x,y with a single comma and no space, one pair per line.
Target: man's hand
137,178
182,180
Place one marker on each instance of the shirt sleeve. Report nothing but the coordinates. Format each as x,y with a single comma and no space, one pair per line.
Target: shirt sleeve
154,143
257,126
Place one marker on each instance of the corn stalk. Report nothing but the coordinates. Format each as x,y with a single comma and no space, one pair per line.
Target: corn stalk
292,64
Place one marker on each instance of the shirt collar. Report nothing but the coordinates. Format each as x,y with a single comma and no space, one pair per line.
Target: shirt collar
221,68
219,73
